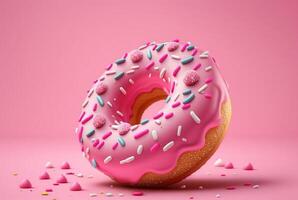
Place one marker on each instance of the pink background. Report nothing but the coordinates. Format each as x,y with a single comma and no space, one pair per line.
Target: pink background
51,51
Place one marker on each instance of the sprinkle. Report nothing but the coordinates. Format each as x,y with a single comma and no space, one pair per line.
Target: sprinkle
127,160
173,86
135,67
149,54
194,52
168,146
81,116
119,113
202,88
141,134
186,91
115,146
140,149
189,48
169,115
158,122
187,60
204,54
124,55
163,58
195,117
197,66
149,75
115,127
118,75
173,46
143,46
208,80
106,135
151,64
94,107
144,121
179,130
122,90
100,145
109,104
92,195
107,160
255,186
95,143
110,72
101,78
184,140
207,96
217,196
189,98
159,47
134,127
120,61
162,73
85,103
154,147
44,193
154,135
158,115
80,134
154,47
208,68
168,99
100,101
130,71
121,141
219,163
109,194
175,72
90,92
137,193
186,106
87,119
175,57
109,66
94,163
184,47
176,97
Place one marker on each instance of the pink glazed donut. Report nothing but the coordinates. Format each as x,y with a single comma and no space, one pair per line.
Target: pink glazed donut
174,142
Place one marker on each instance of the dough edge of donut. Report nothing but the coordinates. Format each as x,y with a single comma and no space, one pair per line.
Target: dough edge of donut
191,161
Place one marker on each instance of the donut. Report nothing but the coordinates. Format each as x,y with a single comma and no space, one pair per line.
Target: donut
172,143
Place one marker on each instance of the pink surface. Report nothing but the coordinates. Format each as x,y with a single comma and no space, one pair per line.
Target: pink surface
51,51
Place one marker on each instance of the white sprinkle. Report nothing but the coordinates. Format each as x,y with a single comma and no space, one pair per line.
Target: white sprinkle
87,150
90,176
184,140
156,68
76,130
122,90
49,165
143,47
130,71
109,104
140,149
127,160
201,187
162,73
109,194
255,186
150,75
217,196
183,186
134,127
157,121
115,127
114,99
116,122
131,81
169,79
176,97
110,72
107,160
90,92
175,57
195,117
179,129
218,163
79,175
154,135
119,113
204,54
135,67
208,68
120,195
85,103
102,78
202,88
92,194
168,146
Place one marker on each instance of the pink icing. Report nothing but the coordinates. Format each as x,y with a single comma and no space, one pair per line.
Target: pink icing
153,146
75,187
65,165
25,184
44,176
62,179
248,167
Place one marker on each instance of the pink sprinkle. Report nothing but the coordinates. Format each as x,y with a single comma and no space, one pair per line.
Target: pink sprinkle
106,135
191,78
25,184
169,115
44,176
223,175
95,81
208,96
173,46
154,47
75,187
109,67
80,133
176,104
197,66
99,121
100,145
87,119
163,58
115,146
194,52
158,115
175,72
141,134
137,193
247,184
229,165
151,64
213,59
94,107
95,143
62,179
124,55
248,167
155,147
184,47
123,128
186,106
49,190
230,188
136,56
176,40
65,165
173,86
208,80
81,116
101,88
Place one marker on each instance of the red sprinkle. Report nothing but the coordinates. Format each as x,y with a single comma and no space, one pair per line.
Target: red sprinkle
169,115
194,52
141,134
163,58
96,142
106,135
81,116
100,145
87,119
174,105
186,106
158,115
155,147
94,107
137,193
115,146
109,67
184,47
197,66
151,64
80,134
175,72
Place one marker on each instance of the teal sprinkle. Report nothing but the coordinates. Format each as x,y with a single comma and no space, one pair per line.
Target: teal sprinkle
187,60
191,47
168,99
90,133
149,54
121,141
144,121
120,61
159,47
100,101
186,92
189,98
118,75
94,163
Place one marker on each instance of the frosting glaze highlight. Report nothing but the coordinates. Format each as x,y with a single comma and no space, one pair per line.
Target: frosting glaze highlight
195,89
